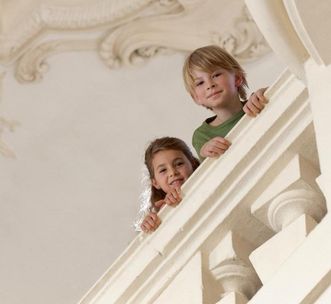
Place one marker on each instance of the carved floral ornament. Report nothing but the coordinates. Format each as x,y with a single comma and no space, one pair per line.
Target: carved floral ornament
5,124
127,32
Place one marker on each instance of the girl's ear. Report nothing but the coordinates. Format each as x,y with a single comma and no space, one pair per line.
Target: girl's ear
239,79
155,184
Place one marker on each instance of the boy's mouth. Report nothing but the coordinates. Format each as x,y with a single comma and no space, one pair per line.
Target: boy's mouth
214,94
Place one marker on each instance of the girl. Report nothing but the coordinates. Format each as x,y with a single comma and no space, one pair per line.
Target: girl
170,163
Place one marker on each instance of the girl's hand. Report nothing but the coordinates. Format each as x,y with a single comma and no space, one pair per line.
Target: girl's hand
159,204
255,103
173,197
215,147
150,223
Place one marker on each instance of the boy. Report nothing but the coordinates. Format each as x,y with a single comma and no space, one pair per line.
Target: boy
216,81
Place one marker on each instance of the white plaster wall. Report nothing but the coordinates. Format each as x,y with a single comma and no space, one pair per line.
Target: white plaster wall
68,201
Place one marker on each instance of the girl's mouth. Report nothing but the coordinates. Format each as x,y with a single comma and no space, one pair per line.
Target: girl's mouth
177,182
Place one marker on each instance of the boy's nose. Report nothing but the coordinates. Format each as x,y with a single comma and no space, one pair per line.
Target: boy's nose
210,85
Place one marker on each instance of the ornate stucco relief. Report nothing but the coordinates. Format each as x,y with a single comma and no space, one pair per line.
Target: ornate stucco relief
32,65
244,40
102,14
143,38
129,32
5,124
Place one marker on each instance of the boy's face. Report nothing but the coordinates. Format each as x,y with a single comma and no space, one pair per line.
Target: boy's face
216,90
171,169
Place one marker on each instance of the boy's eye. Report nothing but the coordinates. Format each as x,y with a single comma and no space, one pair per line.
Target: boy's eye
199,83
179,164
162,170
217,74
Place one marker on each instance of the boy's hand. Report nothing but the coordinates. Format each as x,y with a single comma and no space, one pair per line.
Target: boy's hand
255,103
215,147
173,197
150,223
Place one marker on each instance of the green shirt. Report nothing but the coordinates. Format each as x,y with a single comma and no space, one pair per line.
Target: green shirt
206,132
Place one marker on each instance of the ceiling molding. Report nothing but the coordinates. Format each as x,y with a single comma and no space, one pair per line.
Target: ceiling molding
128,32
32,65
5,124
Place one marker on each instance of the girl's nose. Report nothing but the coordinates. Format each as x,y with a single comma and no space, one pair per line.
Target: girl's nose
173,172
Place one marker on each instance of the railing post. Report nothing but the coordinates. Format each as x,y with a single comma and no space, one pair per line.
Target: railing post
292,212
273,22
231,268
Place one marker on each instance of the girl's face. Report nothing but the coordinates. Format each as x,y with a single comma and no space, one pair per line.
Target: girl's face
171,169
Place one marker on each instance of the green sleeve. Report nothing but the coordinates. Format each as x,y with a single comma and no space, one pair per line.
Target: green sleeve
198,140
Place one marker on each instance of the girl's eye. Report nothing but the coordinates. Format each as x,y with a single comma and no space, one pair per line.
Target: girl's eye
162,170
199,83
217,74
179,164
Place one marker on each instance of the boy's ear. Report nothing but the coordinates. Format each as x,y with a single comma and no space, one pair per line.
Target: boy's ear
239,79
155,184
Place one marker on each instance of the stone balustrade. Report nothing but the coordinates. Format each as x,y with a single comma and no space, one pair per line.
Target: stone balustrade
211,248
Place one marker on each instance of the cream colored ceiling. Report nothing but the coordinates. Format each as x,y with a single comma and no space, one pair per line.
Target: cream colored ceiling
122,32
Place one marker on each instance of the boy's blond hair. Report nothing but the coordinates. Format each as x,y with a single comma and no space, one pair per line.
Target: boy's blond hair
208,59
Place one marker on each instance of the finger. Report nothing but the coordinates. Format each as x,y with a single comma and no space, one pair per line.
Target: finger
254,102
212,155
170,199
174,196
208,147
179,193
149,222
261,98
146,227
212,152
257,103
153,216
157,222
260,94
176,192
159,204
253,108
221,145
220,140
248,111
218,149
143,228
177,196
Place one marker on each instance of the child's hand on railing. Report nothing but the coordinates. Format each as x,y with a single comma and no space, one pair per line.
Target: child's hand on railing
173,197
215,147
255,103
150,223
